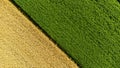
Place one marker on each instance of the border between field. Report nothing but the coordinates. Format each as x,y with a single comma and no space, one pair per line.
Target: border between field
46,34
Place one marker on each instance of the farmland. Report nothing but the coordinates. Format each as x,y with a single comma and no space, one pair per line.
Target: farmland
22,45
87,30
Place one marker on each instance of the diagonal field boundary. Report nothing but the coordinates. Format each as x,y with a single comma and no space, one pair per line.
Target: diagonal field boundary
39,27
22,45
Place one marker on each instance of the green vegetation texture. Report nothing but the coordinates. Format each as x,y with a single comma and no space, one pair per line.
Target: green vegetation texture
87,30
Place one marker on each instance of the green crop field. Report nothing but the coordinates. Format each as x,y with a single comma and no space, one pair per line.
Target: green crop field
87,30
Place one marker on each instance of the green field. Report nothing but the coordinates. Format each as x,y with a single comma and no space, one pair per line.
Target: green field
87,30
